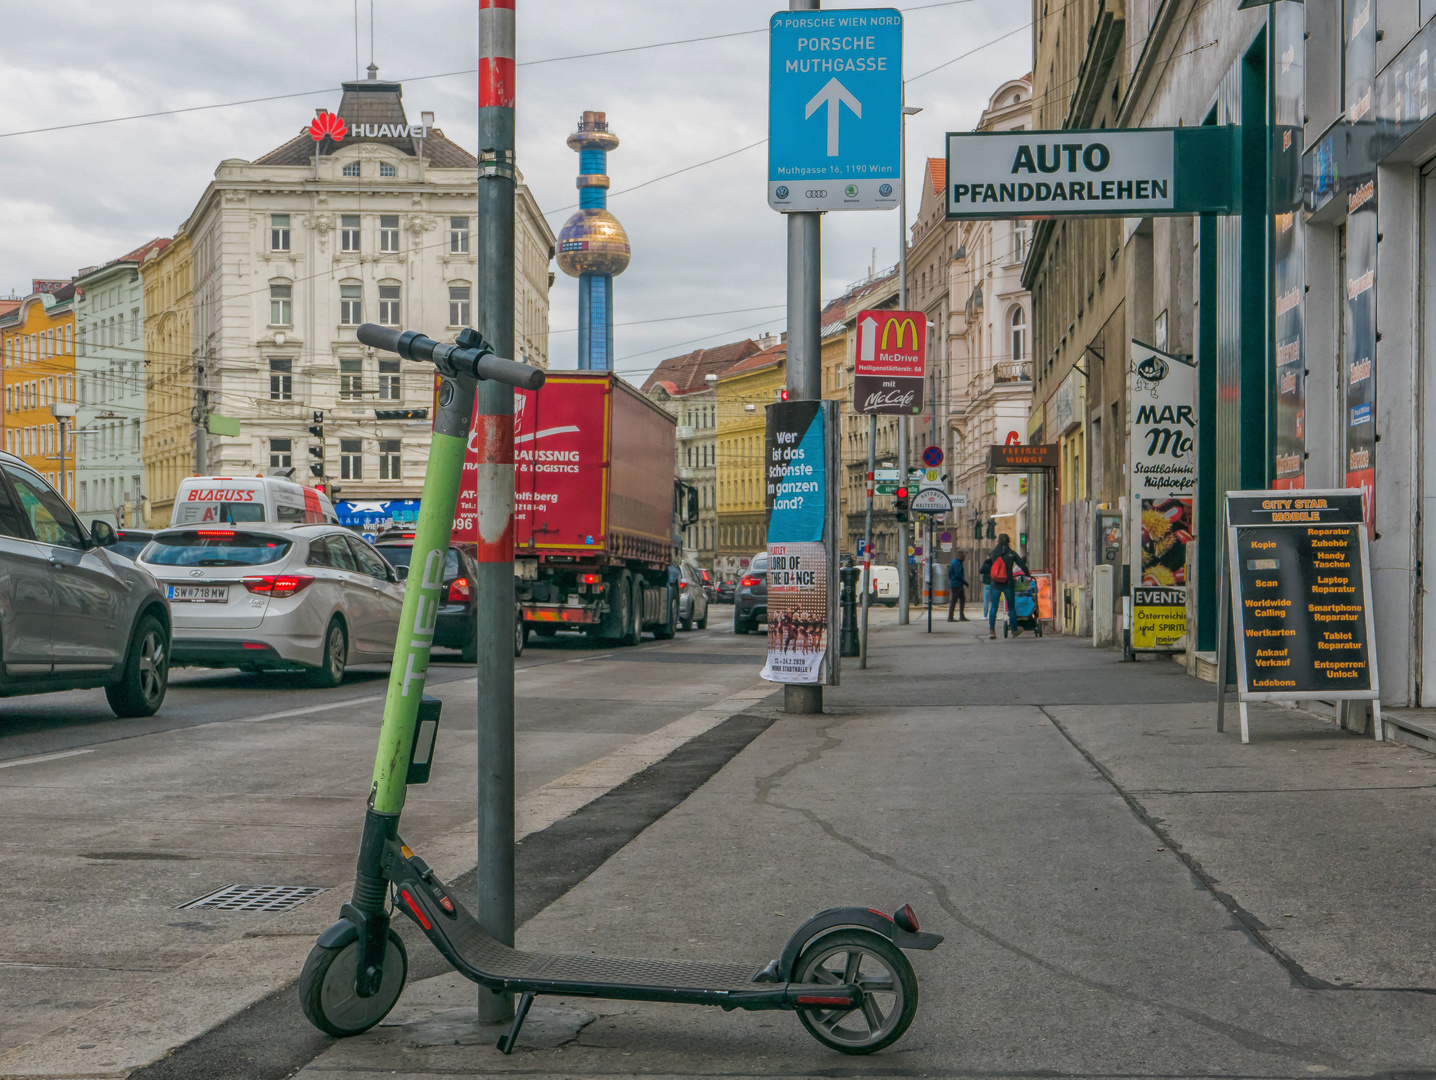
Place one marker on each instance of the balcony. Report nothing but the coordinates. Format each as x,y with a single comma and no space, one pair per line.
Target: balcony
686,472
685,431
1012,371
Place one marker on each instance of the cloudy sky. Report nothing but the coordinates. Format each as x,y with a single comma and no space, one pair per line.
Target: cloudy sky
704,242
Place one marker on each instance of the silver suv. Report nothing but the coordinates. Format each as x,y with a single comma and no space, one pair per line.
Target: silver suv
73,616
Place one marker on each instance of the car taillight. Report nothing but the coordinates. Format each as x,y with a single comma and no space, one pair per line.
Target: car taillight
278,584
589,579
749,581
459,592
227,534
682,586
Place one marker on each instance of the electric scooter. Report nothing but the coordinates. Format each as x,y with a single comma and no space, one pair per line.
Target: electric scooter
843,972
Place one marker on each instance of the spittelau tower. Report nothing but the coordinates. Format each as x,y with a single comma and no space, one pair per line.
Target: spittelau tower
593,246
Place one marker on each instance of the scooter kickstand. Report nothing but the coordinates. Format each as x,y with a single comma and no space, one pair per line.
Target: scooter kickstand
521,1011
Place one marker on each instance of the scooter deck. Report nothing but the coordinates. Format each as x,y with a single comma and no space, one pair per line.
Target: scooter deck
476,955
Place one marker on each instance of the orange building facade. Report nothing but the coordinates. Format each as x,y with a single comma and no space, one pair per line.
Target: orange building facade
37,371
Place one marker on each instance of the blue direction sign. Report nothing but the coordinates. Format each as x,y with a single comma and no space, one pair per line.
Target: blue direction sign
834,109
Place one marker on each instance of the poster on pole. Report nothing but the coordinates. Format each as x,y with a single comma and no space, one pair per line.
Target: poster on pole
802,603
1162,450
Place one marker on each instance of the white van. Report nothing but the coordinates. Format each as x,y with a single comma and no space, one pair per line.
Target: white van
885,580
233,499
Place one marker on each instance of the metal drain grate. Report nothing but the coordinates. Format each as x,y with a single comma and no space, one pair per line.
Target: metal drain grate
268,898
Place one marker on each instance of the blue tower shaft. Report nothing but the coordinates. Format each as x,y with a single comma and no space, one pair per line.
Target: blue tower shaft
595,322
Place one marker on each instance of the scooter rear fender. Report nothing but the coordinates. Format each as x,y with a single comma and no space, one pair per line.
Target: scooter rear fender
825,922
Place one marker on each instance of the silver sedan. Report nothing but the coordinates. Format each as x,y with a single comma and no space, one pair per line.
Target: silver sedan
268,596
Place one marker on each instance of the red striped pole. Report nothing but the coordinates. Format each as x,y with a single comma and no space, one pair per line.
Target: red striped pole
493,441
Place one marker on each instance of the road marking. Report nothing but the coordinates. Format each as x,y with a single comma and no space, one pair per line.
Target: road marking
308,709
36,758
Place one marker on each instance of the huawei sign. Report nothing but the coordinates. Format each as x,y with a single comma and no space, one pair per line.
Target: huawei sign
327,125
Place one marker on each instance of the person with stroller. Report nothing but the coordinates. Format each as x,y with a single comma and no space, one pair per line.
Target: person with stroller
1000,567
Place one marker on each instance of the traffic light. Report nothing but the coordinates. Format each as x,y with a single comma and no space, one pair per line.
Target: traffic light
900,503
316,428
401,414
317,451
783,394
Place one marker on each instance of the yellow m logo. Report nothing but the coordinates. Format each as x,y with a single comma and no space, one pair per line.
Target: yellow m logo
905,328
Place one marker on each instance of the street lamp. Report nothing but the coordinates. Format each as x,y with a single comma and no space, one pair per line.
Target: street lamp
903,427
62,411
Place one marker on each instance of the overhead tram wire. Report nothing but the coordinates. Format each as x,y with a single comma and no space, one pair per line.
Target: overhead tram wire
415,78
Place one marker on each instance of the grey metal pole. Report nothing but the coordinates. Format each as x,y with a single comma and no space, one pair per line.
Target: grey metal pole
868,538
805,373
494,439
903,597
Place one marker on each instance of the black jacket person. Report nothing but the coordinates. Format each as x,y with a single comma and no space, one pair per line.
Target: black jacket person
1000,567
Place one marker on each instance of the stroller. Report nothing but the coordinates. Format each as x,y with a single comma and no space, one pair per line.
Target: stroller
1024,590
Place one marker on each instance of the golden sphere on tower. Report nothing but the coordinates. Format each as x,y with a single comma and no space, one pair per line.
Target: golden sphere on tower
592,242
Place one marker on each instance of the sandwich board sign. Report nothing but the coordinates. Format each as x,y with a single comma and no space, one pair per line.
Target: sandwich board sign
1298,586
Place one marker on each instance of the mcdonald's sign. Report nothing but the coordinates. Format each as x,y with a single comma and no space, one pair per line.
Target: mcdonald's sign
891,362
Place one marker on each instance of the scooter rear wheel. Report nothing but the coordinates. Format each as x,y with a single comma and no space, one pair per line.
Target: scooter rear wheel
326,988
889,986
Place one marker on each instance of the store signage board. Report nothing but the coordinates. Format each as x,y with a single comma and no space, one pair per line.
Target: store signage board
1162,456
1022,459
1298,586
891,362
835,109
1133,172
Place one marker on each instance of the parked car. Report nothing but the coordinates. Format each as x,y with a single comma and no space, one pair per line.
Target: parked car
72,616
750,603
313,598
457,622
884,585
128,542
726,589
692,598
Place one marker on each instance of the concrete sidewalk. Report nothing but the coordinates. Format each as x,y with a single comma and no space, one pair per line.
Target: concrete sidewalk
1123,890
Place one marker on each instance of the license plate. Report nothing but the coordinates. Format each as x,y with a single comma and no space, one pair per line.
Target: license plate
200,594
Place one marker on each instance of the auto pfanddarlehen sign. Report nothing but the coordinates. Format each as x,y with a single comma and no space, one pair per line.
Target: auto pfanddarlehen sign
1301,595
1134,172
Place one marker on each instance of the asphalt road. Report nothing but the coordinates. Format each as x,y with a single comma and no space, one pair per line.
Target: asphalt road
256,779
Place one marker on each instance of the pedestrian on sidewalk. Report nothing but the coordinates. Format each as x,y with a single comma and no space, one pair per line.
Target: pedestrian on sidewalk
956,588
999,568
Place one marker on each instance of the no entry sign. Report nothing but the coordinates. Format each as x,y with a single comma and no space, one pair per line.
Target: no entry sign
891,362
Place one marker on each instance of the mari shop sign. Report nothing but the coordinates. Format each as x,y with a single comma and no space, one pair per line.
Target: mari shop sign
891,362
1300,589
1133,172
1162,451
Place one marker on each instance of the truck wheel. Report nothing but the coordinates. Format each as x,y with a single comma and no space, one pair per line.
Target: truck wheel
669,628
635,629
620,614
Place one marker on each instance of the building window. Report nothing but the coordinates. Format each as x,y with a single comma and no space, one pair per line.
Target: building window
351,378
281,380
278,232
281,305
351,459
388,380
351,304
389,305
281,453
1019,242
389,468
458,305
385,169
349,231
1019,334
459,235
352,169
388,232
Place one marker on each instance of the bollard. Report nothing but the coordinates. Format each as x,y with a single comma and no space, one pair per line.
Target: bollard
848,644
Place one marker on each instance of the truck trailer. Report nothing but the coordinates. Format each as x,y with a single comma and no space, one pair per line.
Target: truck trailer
598,512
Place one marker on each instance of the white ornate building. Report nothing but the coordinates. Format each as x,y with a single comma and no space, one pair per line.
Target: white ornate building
295,249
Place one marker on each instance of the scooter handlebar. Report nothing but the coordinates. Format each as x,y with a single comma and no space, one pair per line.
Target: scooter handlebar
483,364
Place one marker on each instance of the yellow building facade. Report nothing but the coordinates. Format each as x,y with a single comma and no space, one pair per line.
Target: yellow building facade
168,445
744,393
37,344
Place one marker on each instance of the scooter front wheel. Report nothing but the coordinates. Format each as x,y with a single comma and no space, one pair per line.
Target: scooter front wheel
868,960
326,988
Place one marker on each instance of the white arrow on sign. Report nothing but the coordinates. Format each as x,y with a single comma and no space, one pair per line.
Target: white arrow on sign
869,351
831,94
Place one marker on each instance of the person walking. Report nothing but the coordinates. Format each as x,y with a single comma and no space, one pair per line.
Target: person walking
1000,568
956,589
